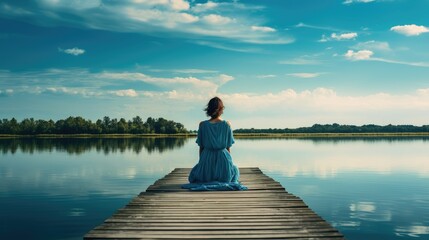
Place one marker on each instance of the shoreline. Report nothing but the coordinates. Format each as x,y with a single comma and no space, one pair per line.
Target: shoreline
236,135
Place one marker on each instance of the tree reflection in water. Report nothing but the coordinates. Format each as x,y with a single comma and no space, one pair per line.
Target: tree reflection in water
82,145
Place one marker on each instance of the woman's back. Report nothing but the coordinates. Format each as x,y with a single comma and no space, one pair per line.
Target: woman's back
215,135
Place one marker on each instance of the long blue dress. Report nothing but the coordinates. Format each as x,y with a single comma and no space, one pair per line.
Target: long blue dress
215,169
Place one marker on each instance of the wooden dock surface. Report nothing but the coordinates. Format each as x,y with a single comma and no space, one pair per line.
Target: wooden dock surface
265,211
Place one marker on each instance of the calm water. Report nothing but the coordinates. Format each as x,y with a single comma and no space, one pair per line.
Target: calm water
367,188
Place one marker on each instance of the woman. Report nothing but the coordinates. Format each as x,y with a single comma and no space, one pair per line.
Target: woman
215,169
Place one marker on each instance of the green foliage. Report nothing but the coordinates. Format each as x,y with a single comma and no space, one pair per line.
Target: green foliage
337,128
79,125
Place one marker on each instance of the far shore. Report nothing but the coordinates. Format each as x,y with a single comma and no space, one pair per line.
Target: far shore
236,135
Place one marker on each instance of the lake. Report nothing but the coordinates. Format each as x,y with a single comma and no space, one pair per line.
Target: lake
368,188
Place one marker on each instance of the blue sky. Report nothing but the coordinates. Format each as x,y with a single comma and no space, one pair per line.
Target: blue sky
275,63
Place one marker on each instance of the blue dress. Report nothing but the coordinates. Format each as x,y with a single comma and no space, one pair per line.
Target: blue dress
215,169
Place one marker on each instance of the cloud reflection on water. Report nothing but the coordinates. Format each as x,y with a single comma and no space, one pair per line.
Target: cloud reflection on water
326,159
368,211
412,230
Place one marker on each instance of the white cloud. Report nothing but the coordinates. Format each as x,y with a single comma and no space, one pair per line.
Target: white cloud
217,19
339,37
72,51
410,30
327,100
182,97
359,55
344,36
373,46
262,29
208,86
202,7
357,1
161,18
125,93
223,78
230,21
304,75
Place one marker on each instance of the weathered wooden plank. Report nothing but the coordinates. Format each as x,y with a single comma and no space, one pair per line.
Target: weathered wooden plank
213,220
212,235
265,211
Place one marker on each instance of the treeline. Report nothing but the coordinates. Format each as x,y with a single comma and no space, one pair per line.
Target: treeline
79,125
337,128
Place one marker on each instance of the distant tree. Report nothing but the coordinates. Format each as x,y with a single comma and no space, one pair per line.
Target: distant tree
79,125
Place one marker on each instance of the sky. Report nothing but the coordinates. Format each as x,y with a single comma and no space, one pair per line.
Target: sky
274,63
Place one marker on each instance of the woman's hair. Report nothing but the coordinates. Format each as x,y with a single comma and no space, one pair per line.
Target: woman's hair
214,108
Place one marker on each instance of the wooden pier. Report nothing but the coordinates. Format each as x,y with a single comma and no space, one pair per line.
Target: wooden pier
265,211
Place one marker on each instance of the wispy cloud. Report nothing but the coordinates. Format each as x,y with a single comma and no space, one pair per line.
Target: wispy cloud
357,1
70,4
208,86
230,21
373,46
262,29
410,30
72,51
303,60
368,56
267,76
313,105
227,48
304,75
325,28
15,10
85,92
80,82
184,71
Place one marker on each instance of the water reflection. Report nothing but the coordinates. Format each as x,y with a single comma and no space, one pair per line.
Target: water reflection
340,139
369,188
327,159
82,145
368,211
412,231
